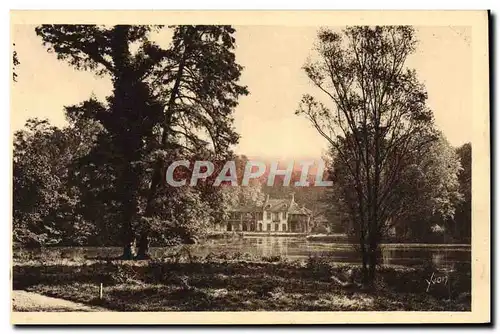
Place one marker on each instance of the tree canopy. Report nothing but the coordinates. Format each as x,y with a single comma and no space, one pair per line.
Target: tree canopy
375,119
167,103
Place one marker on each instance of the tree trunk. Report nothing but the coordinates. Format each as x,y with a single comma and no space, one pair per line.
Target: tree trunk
129,214
372,266
123,104
143,244
127,228
159,170
128,252
128,247
372,257
364,257
143,247
364,270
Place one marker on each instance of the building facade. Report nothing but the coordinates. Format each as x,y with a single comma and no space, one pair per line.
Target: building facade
274,215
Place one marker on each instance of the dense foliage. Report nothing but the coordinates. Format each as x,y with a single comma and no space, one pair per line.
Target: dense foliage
167,103
391,164
100,179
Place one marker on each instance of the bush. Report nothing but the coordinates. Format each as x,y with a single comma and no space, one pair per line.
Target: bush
320,229
319,267
272,258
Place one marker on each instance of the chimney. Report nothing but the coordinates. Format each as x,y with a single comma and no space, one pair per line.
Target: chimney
292,197
267,198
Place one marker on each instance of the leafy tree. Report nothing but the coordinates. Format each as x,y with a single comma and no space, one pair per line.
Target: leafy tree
93,178
131,111
425,195
375,120
46,203
33,186
239,195
462,222
430,189
166,104
200,90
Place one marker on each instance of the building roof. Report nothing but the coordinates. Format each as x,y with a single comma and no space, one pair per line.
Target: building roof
247,208
275,205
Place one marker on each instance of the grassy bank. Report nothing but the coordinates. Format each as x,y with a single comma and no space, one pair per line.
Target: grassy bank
342,238
219,283
240,234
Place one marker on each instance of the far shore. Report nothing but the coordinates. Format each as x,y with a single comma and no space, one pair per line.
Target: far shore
340,238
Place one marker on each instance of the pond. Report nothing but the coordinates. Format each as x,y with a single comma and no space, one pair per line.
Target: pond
440,255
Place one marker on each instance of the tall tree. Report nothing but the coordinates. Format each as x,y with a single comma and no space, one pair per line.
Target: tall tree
375,119
131,111
166,104
199,86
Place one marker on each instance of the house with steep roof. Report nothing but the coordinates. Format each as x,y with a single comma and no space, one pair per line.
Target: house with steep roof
274,215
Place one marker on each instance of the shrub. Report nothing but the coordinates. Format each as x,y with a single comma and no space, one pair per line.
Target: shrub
318,267
272,258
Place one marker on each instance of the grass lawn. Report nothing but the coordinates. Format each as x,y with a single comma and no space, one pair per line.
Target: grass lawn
217,283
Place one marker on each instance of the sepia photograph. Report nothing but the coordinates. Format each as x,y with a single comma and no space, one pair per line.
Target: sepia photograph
291,167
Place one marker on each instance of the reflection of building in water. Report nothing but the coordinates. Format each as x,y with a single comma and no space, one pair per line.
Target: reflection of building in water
437,259
387,255
408,255
275,215
272,246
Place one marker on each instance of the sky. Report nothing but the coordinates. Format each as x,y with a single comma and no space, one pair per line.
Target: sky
272,57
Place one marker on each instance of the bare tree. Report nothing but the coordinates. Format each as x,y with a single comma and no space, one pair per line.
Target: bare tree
375,120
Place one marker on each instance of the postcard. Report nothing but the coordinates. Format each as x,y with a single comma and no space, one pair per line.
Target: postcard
250,167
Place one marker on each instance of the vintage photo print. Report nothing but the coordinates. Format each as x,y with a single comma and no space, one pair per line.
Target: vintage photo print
251,167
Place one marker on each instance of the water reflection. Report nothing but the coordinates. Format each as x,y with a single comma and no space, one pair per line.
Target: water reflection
440,256
295,248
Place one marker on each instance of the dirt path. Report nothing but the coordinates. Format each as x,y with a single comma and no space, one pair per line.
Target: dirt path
23,301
